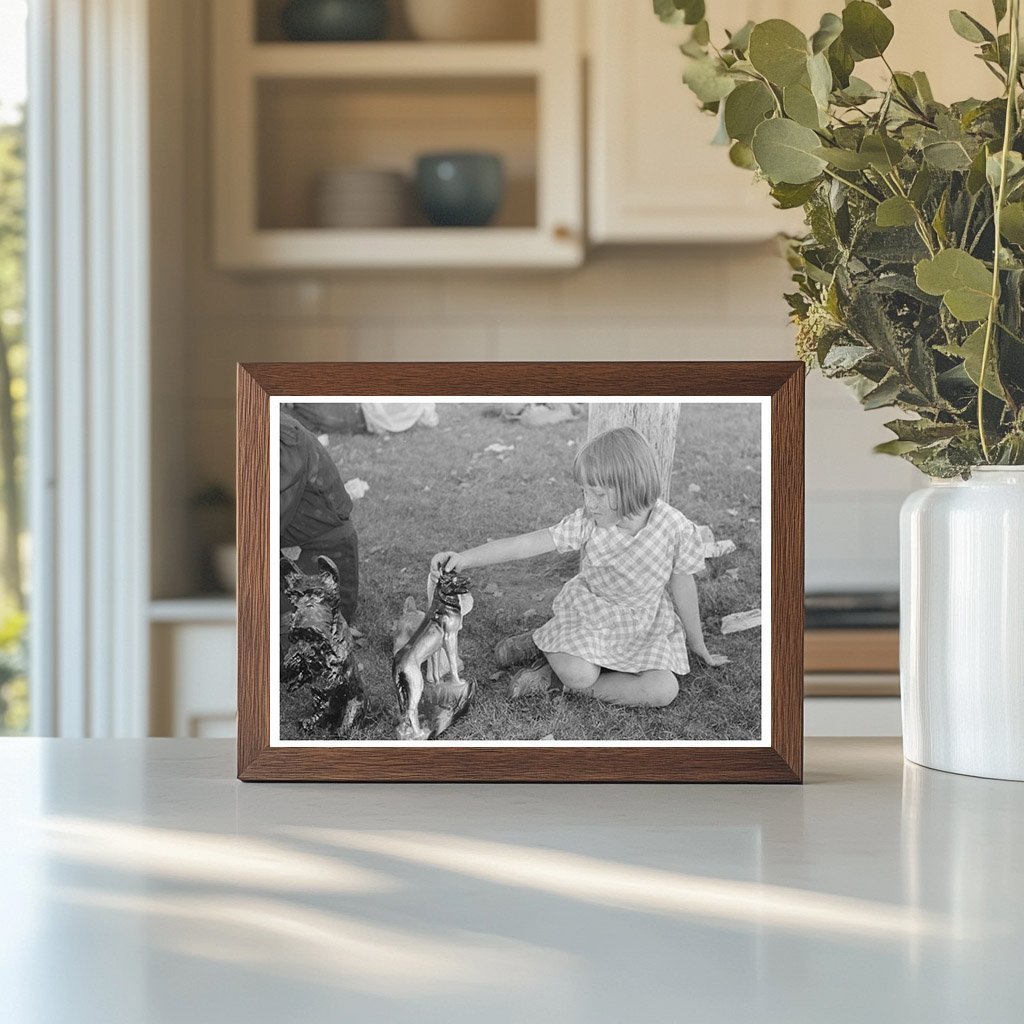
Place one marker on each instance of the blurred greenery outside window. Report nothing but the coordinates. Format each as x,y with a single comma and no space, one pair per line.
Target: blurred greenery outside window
14,704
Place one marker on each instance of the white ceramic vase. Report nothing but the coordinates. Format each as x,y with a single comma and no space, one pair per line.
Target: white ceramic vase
962,624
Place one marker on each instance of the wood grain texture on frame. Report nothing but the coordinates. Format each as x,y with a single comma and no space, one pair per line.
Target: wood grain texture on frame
781,761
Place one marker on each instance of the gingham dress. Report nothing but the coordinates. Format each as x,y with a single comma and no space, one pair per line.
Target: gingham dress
616,612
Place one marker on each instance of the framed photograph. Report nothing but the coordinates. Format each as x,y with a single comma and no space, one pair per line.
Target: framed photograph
515,572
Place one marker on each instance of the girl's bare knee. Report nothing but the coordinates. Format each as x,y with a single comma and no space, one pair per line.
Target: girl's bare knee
574,673
663,689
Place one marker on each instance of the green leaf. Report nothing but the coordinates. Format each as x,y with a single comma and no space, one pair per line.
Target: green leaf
708,81
896,212
999,7
789,197
968,28
921,369
800,105
971,352
994,167
676,12
963,281
778,50
841,60
739,41
939,220
844,159
976,174
785,152
742,155
921,185
946,156
895,447
997,53
701,33
885,394
830,28
694,11
866,29
883,153
668,12
924,88
745,108
923,431
820,76
1012,224
858,91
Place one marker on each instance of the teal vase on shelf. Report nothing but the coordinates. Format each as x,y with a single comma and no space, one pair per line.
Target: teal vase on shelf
334,20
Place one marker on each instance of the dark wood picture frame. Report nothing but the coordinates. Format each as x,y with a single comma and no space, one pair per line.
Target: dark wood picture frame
781,760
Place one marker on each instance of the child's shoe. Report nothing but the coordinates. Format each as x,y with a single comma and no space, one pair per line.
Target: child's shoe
515,649
536,679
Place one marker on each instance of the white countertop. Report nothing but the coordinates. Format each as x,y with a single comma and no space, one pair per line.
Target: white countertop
143,884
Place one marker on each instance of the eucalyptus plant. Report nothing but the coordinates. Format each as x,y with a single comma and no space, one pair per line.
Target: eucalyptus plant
910,278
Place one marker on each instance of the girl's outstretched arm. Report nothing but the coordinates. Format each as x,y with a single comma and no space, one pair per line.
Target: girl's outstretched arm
683,588
508,549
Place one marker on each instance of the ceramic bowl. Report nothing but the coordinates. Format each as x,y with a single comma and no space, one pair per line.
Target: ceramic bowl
460,189
470,20
358,197
334,20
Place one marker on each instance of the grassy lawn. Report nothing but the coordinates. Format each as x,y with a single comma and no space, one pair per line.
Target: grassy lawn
437,489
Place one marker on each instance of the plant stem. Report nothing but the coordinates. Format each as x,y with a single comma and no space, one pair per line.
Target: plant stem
771,90
922,225
970,216
993,309
850,184
981,231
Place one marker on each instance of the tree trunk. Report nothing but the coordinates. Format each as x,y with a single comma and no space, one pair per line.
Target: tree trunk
9,470
656,421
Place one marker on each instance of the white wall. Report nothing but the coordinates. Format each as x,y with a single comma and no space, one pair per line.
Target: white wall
721,302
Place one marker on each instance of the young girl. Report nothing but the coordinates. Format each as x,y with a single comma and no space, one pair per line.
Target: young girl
620,628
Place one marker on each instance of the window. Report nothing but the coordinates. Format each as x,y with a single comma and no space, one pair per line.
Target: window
14,550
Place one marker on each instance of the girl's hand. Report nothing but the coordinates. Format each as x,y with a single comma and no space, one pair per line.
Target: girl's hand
713,660
448,561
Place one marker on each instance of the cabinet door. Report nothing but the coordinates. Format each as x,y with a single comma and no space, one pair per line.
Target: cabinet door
653,174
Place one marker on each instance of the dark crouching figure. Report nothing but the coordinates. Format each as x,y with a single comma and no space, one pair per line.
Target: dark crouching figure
315,510
320,654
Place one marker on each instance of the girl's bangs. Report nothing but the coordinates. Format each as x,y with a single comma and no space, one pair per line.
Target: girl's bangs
586,473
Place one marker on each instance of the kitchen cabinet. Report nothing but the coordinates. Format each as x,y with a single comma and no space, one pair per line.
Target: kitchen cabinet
653,175
193,667
287,113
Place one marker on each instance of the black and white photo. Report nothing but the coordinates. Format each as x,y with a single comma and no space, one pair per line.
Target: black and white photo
501,570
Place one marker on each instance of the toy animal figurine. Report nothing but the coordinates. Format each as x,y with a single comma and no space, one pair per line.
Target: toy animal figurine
428,707
436,665
320,652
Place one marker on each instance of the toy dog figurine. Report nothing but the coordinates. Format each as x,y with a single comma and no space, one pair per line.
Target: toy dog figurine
428,707
436,666
320,652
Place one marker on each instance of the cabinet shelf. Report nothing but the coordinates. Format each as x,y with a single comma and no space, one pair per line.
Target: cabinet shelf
286,114
392,60
309,248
